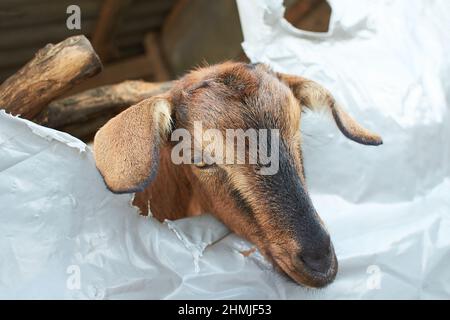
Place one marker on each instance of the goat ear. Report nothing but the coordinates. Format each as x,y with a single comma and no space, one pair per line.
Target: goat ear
126,148
313,96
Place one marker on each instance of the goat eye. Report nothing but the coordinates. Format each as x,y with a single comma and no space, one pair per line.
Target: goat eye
201,164
204,165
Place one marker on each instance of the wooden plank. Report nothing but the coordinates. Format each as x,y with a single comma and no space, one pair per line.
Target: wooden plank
134,68
16,58
31,36
39,13
5,73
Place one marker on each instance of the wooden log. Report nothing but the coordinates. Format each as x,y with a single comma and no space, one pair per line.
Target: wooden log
104,102
54,70
87,130
134,68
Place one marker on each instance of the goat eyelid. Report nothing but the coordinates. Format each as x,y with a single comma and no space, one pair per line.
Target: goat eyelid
204,165
201,164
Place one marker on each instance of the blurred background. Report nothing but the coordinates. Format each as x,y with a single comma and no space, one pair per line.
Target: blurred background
151,40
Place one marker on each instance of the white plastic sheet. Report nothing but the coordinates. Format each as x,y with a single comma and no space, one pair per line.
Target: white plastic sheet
63,235
387,208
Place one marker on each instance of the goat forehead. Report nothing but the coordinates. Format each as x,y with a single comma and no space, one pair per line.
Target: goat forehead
271,105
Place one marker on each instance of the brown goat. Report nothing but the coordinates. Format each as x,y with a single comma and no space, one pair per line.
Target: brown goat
133,154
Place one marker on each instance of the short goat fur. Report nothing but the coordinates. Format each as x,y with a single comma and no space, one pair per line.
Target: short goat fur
133,154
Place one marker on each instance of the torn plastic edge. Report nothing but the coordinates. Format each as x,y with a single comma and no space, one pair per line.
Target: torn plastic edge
48,133
195,250
138,210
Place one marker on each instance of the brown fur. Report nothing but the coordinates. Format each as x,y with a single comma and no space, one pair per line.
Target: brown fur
275,213
126,147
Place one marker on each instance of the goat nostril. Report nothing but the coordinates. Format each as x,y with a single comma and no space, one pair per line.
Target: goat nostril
317,261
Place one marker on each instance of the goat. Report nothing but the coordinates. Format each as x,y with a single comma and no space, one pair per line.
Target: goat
133,154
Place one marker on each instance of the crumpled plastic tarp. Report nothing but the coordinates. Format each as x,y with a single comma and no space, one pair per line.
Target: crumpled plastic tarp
64,235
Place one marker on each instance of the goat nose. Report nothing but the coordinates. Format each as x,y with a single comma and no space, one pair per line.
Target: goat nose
318,263
318,260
